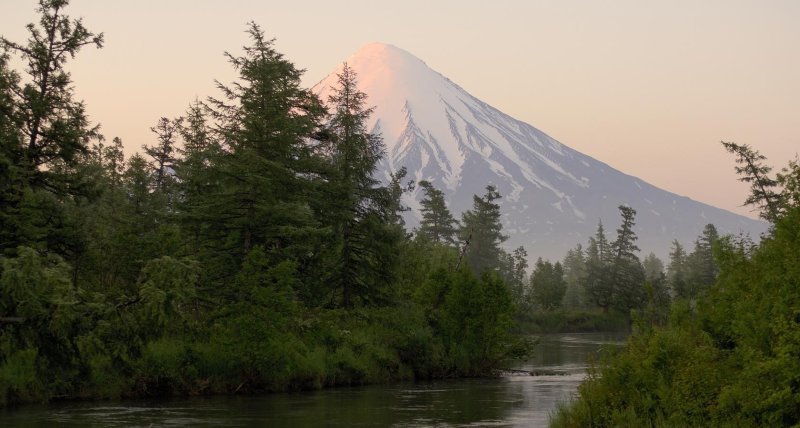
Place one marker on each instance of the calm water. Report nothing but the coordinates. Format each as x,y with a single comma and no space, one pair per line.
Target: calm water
509,401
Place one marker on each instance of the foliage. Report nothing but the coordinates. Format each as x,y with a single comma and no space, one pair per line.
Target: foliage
572,321
482,232
41,313
574,265
728,359
753,171
361,212
547,285
264,172
437,223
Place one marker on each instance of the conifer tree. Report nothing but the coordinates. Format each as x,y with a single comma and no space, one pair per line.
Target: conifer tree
574,264
482,232
114,161
548,285
163,153
653,267
437,223
753,171
44,132
625,244
53,125
701,268
365,215
514,267
627,273
197,176
265,169
789,180
11,177
598,279
677,271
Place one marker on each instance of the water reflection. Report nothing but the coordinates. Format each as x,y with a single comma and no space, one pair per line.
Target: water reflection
510,401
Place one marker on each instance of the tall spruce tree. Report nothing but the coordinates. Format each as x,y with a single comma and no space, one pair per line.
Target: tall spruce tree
364,215
482,232
677,271
701,267
54,127
762,187
44,131
197,175
597,281
627,273
163,153
114,161
11,176
437,223
265,169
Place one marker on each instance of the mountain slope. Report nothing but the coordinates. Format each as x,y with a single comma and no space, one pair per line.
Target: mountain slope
553,195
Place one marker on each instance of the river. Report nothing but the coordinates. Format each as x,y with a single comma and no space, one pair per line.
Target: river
509,401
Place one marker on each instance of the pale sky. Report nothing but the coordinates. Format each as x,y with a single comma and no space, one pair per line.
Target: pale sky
650,88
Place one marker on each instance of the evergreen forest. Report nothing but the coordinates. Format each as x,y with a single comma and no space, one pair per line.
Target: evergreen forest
246,248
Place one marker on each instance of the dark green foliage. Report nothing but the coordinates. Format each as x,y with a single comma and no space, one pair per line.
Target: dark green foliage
547,285
701,267
54,127
614,276
677,271
653,267
627,273
689,276
12,178
789,180
362,214
731,359
163,153
437,223
473,317
44,134
597,274
514,271
40,311
753,171
574,264
572,321
482,232
264,171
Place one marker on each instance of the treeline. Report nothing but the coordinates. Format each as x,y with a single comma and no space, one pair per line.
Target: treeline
248,248
605,284
729,357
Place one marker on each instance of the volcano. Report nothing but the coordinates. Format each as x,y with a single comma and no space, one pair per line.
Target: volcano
553,196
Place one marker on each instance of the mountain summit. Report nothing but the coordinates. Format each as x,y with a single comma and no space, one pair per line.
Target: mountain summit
553,196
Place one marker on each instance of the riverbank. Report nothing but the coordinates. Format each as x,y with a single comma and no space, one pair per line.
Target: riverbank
516,401
572,321
246,355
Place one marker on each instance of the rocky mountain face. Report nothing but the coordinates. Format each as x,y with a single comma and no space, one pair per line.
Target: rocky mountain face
553,196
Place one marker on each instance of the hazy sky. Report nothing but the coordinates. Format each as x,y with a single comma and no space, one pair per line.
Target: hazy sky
647,87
